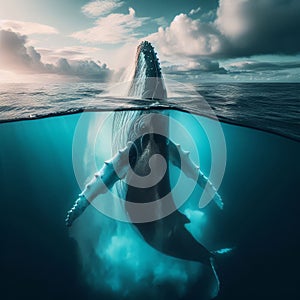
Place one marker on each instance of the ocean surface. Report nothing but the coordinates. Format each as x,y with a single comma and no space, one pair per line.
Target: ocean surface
43,126
274,107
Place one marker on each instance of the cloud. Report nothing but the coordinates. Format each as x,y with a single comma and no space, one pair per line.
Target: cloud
161,21
27,28
196,67
259,26
89,70
101,7
187,37
112,29
240,28
259,66
16,56
187,45
260,69
72,53
194,11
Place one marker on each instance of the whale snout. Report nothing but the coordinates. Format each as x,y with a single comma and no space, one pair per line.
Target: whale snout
147,82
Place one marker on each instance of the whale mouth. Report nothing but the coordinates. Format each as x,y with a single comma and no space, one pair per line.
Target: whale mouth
147,81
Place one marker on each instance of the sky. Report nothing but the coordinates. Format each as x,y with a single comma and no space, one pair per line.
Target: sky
200,40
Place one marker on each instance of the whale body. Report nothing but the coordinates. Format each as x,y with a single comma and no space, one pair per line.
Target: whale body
135,137
168,234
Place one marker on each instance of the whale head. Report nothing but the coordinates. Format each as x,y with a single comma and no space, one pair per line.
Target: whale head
147,81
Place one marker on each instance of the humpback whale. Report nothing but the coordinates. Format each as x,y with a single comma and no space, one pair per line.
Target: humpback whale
140,139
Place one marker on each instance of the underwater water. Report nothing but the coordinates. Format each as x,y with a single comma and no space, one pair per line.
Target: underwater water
100,258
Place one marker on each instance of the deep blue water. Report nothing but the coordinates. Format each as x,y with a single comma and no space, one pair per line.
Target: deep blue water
100,258
39,260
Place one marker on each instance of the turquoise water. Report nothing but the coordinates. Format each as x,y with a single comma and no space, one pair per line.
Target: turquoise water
42,259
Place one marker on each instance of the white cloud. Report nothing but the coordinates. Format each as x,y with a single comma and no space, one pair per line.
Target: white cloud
185,45
254,65
101,7
71,53
112,29
161,21
194,11
200,66
187,37
27,28
16,56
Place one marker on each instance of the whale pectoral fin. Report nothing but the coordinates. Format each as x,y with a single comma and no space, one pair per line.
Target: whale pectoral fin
182,160
112,171
204,181
78,208
102,180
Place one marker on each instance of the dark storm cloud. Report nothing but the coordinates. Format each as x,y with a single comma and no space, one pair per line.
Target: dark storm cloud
259,27
16,56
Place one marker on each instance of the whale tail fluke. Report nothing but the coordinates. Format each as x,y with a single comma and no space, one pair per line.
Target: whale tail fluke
216,254
216,289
